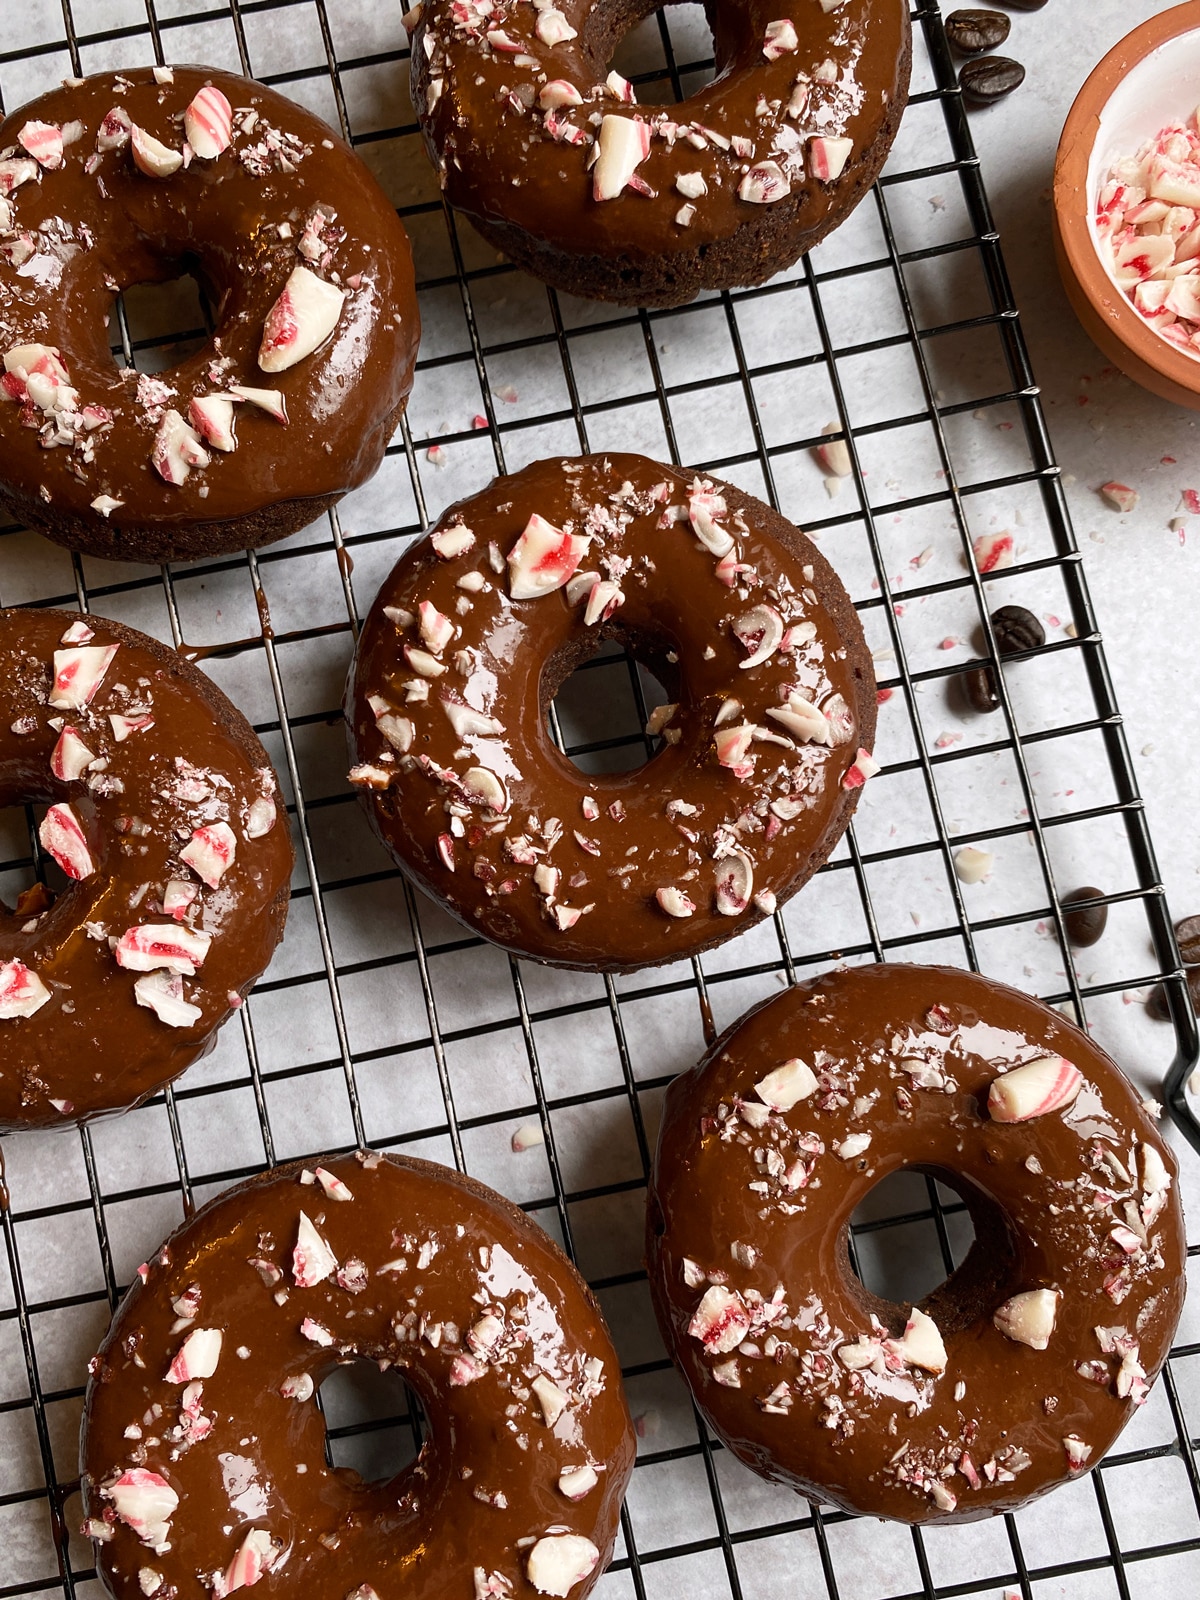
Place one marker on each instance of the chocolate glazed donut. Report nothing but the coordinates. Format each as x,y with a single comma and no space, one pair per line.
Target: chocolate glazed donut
163,818
1019,1372
766,737
202,1459
135,177
557,166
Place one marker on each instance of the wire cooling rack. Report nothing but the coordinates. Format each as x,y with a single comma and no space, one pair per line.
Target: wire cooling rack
381,1022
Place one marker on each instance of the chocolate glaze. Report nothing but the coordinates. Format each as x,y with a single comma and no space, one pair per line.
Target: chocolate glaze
436,1277
479,103
99,225
90,1047
684,821
1044,1196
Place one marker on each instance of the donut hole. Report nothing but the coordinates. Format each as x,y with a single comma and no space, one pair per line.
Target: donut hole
30,880
374,1424
165,321
925,1236
598,701
667,50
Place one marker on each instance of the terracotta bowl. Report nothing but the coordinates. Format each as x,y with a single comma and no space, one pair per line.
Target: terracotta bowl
1151,78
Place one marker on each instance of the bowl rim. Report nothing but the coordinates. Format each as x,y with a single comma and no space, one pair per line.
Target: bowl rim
1079,135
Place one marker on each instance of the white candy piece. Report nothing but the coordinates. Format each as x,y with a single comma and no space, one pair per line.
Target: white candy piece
721,1321
268,400
760,631
212,417
469,723
1039,1087
527,1137
260,819
152,157
145,1502
921,1345
834,455
484,786
801,718
312,1259
1155,1177
764,184
674,902
559,1561
577,1482
624,143
162,993
63,838
788,1084
780,39
551,1399
78,673
211,852
852,1146
553,28
197,1357
122,727
106,505
208,123
435,628
14,172
450,543
153,946
22,992
1028,1318
543,559
972,865
177,449
302,318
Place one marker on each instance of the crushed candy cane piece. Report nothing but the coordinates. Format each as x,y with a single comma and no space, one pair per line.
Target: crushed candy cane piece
153,157
62,836
197,1357
301,319
559,1561
1036,1089
1028,1318
208,123
22,992
211,852
1120,496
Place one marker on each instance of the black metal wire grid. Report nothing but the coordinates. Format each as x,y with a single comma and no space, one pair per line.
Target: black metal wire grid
376,1024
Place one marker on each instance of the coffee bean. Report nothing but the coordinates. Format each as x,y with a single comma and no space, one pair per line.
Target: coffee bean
989,78
1156,1004
973,32
979,686
1016,629
1086,926
1188,934
1024,5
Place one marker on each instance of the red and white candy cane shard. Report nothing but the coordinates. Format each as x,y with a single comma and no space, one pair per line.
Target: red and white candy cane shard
1034,1090
122,727
197,1357
144,1501
827,158
764,184
735,884
302,318
333,1186
44,142
256,1555
212,417
543,559
211,852
208,123
721,1321
14,171
177,449
162,993
154,945
559,1561
624,143
70,758
312,1259
22,992
62,837
864,766
78,673
993,551
780,39
114,130
77,633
